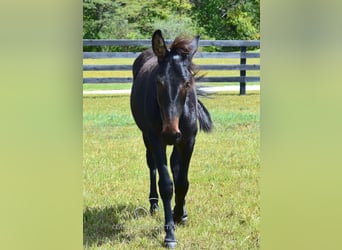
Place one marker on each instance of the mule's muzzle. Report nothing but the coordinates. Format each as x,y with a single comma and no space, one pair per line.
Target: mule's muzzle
171,133
171,138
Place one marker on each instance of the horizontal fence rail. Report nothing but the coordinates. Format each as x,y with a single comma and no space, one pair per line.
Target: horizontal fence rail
201,67
203,79
147,43
243,55
97,55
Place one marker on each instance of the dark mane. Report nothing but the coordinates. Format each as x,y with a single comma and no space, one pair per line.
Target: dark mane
182,46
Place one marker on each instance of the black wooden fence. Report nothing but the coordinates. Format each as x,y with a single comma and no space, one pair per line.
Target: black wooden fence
242,67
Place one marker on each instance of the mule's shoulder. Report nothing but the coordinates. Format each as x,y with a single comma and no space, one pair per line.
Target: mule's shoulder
142,59
145,62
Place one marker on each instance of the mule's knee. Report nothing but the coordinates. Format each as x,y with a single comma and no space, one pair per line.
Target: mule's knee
165,189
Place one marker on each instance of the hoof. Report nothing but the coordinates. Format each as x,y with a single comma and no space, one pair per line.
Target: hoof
170,244
181,219
154,209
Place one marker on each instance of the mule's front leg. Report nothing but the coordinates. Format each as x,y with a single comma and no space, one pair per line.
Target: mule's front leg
166,192
180,160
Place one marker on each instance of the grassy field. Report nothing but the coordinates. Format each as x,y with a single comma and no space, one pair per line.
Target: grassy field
223,201
129,61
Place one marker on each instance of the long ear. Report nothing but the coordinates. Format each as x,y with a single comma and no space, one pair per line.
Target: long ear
158,45
193,46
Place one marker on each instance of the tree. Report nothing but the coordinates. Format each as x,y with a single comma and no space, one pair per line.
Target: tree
228,19
134,19
98,18
147,15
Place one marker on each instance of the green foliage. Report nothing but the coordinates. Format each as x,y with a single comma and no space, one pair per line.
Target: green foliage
239,25
175,27
98,21
136,19
222,19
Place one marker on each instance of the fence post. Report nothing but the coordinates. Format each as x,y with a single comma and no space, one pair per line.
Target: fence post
243,71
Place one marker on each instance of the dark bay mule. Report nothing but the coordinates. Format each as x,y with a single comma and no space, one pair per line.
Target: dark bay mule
165,107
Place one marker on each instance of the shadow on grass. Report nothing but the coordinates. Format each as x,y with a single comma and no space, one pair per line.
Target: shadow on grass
107,224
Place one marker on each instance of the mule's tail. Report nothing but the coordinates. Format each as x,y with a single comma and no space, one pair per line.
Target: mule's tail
204,118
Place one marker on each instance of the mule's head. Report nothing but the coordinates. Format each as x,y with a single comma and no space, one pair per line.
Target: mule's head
174,80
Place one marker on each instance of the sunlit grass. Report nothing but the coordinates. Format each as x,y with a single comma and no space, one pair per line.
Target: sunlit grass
223,199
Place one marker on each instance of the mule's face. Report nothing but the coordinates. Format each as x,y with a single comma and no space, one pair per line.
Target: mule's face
174,80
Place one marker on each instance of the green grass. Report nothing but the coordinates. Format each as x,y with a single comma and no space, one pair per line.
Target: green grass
223,199
129,61
107,86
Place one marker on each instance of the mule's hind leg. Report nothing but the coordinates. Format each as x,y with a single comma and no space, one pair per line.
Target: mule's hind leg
153,197
180,160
